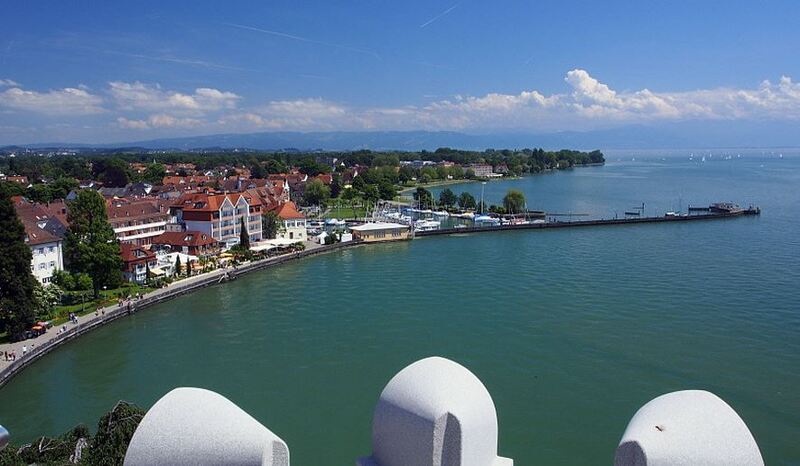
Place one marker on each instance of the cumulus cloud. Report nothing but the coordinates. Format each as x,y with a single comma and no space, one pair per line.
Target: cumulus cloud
8,83
66,101
159,121
140,96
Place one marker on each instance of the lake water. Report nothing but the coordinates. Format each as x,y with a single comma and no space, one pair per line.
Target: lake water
570,330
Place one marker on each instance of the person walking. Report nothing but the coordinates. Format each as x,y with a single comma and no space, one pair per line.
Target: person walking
24,350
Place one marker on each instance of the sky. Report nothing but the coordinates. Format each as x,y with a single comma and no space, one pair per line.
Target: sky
99,71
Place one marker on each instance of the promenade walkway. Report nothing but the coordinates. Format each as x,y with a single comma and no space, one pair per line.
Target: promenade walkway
37,347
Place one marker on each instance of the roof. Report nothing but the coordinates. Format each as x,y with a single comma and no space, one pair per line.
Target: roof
204,202
123,209
40,226
378,226
131,253
288,211
184,238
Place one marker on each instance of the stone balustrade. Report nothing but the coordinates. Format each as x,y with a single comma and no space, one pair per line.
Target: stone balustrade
435,412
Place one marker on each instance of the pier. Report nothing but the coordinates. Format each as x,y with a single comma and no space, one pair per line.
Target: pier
587,223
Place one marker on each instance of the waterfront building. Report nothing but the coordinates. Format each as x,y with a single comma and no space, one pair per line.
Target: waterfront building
195,243
481,170
219,215
372,232
135,262
138,221
44,235
294,223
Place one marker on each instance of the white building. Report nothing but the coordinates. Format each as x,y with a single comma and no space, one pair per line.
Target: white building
44,235
294,223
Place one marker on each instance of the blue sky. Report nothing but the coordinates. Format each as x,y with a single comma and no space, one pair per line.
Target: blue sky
120,71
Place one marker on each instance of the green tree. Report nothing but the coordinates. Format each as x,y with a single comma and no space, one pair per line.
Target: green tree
114,433
514,201
154,173
423,197
244,236
90,245
271,224
45,299
316,193
257,170
447,198
113,172
387,190
178,268
466,201
17,300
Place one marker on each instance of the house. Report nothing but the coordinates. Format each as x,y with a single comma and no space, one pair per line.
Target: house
294,223
135,262
138,221
373,232
219,215
44,235
17,179
195,243
481,170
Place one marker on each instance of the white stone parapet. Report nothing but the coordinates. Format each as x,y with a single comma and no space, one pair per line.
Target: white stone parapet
687,427
192,426
435,412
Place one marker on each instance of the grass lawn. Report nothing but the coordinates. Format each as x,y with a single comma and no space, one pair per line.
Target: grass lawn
346,212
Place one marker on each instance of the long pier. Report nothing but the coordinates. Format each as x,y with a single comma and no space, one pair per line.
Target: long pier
589,223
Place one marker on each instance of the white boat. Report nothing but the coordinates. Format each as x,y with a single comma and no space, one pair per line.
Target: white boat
427,225
441,213
485,220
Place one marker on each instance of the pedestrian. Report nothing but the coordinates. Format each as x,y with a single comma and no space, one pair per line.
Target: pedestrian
5,355
24,350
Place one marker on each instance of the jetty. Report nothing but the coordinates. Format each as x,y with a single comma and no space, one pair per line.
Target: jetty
712,215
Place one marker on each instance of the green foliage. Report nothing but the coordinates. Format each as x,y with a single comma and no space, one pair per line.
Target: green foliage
316,193
423,197
271,225
467,201
447,198
154,173
178,269
72,281
46,298
90,245
17,284
114,433
514,201
58,450
112,172
244,236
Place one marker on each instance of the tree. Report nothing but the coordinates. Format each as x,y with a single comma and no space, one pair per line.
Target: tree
447,198
466,201
316,193
114,433
514,201
271,224
45,299
91,246
257,171
244,236
17,302
387,190
178,268
423,197
113,173
154,173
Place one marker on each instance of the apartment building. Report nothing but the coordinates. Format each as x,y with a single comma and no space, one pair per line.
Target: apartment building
219,215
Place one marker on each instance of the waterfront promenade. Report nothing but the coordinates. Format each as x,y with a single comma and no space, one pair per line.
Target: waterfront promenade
38,347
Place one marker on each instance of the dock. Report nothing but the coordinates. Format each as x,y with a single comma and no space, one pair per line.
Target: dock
599,222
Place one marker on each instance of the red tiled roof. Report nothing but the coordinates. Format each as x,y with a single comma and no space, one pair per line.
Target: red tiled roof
288,210
212,202
131,253
34,218
184,238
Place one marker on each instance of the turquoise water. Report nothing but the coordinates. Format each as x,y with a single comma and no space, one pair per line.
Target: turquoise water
570,330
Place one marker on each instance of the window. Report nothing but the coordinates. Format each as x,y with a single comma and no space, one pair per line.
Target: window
42,266
40,251
52,264
51,249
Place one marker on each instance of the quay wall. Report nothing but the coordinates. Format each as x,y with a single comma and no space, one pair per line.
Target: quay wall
581,223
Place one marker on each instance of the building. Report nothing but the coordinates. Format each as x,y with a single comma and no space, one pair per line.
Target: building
294,223
135,262
44,234
372,232
195,243
219,215
137,222
481,170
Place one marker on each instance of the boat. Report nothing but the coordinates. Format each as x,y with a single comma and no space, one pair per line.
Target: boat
486,221
441,213
426,225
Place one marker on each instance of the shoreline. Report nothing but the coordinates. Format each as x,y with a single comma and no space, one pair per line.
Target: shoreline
90,322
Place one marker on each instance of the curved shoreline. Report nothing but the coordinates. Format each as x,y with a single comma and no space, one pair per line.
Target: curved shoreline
113,313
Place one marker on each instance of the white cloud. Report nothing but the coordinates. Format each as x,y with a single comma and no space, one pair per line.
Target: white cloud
140,96
159,121
66,101
8,83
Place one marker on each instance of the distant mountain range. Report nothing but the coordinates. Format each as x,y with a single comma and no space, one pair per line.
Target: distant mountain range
666,136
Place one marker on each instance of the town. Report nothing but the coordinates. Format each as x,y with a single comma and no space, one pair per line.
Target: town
102,228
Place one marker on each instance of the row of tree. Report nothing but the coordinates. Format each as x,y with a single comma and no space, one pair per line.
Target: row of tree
513,202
